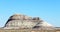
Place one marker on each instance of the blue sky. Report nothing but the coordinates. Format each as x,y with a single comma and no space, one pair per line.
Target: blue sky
48,10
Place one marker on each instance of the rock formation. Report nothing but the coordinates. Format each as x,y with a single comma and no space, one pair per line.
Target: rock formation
17,21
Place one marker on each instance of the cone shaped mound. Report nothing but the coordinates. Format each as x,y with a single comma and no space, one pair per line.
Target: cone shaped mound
23,21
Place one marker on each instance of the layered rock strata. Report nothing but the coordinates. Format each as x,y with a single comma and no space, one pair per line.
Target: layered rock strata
17,21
